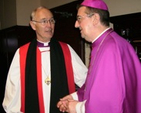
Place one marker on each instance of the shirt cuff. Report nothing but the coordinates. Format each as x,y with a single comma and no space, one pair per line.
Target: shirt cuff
74,96
80,107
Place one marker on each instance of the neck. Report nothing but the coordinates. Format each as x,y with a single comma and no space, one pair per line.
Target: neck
100,33
43,41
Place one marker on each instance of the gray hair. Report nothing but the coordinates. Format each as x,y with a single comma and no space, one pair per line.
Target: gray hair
34,11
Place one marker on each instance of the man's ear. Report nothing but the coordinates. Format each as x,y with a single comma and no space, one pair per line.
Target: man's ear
96,19
32,24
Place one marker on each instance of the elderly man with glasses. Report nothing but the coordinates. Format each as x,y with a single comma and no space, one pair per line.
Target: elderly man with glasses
43,70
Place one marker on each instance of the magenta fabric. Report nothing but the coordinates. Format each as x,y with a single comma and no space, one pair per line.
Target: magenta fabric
99,4
113,83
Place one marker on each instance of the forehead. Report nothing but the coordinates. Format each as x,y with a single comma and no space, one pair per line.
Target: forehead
43,13
82,10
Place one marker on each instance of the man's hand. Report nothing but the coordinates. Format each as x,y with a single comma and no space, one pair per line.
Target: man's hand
63,103
72,106
67,104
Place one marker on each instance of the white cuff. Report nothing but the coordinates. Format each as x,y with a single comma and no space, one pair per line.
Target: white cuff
74,96
80,107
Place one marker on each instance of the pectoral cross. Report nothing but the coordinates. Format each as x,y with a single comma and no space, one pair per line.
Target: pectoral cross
48,80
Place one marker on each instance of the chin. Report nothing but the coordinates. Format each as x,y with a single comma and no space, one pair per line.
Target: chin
49,36
82,36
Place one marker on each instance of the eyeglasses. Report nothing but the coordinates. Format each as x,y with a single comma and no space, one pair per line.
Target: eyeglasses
45,21
79,18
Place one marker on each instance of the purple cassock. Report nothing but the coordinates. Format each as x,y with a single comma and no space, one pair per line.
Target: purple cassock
113,83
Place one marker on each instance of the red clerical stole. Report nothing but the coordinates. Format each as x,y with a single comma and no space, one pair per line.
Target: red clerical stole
70,77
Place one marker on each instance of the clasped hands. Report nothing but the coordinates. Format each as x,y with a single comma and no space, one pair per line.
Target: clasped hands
67,104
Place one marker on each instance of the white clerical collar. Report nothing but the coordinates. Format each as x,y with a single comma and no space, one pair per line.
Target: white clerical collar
100,34
45,43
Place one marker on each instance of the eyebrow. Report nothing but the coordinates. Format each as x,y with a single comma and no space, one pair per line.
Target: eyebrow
47,18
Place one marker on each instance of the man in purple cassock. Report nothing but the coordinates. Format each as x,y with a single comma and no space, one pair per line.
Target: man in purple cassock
113,83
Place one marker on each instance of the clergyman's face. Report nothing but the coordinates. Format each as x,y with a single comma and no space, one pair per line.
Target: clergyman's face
84,23
44,29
